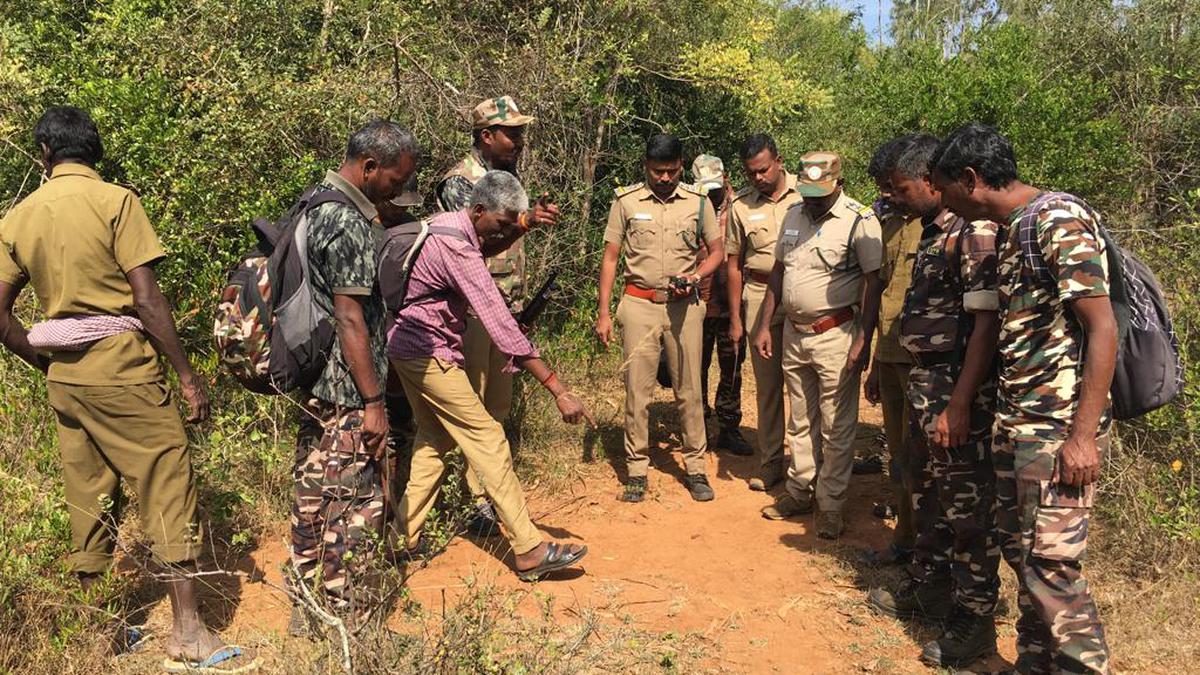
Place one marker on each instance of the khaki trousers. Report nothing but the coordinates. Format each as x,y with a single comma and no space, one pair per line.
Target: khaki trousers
132,431
768,376
484,364
680,325
448,414
824,413
893,395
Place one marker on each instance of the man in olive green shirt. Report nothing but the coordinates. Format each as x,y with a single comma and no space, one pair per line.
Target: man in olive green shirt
88,250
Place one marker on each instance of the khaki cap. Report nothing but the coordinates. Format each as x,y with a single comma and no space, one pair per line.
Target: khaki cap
708,172
819,173
409,196
502,111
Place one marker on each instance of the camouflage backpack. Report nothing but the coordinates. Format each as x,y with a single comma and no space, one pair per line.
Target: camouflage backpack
270,333
1148,372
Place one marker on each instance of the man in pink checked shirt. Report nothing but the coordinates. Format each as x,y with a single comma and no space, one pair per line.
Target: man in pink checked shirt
425,345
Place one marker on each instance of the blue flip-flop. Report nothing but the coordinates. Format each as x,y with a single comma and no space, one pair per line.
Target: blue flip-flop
212,665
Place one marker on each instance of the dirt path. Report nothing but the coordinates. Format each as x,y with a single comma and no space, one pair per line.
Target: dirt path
764,596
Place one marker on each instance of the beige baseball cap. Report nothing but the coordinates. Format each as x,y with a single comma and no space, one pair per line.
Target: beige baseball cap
708,172
819,173
409,196
502,111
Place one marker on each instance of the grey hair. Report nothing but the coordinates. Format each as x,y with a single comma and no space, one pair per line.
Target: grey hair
383,140
500,192
916,161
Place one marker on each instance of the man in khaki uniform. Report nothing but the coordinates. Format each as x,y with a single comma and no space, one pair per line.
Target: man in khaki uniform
659,226
756,214
498,140
887,381
827,274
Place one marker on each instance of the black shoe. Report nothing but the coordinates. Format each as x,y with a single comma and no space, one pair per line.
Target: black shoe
483,523
403,556
872,464
933,601
883,511
892,555
697,484
635,490
968,637
731,440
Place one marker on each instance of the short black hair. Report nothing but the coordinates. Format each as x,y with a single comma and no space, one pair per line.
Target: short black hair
980,147
70,133
884,159
755,144
916,160
383,140
664,148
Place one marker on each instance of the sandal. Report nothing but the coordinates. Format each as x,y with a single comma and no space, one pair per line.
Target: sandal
557,557
212,665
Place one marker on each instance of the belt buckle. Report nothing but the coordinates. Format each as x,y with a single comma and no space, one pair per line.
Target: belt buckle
660,296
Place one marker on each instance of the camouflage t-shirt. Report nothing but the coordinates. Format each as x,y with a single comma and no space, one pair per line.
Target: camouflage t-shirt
1041,341
341,253
939,293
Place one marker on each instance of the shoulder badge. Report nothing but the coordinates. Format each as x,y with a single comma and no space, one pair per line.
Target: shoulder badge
749,189
622,191
689,187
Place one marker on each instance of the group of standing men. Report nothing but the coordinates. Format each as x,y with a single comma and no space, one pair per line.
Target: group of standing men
984,361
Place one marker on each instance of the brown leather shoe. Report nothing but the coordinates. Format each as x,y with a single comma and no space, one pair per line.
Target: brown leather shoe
767,479
830,524
786,507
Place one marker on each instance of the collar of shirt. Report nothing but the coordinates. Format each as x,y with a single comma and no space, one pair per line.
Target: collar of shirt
73,169
676,194
838,205
760,198
941,222
365,207
460,220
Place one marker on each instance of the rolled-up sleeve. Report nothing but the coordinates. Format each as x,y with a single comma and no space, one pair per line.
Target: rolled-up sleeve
979,265
472,280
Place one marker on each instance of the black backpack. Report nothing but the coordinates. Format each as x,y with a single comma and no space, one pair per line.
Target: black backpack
1149,373
398,254
270,332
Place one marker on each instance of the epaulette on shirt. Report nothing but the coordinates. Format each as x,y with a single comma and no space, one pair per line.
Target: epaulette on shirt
744,192
688,187
855,206
622,191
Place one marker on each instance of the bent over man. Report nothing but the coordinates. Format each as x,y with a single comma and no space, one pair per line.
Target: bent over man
658,226
1058,343
425,345
89,251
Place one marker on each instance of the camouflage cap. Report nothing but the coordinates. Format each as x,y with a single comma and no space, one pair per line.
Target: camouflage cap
502,111
409,196
819,173
708,172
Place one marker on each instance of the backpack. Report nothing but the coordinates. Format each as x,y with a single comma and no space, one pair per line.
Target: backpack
270,333
398,254
1149,373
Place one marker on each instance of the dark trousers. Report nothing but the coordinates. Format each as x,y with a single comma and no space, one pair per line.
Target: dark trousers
728,400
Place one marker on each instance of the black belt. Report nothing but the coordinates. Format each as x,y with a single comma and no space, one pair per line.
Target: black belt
927,359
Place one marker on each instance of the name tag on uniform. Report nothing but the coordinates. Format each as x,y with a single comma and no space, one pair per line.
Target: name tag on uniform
642,216
791,233
758,216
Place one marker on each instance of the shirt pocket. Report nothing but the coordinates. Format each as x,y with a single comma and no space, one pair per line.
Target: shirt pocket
1061,521
828,257
685,236
642,230
758,233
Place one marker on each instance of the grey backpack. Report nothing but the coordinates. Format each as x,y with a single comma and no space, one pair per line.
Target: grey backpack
398,254
1149,373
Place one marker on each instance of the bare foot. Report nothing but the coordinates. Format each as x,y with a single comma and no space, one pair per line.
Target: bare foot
194,644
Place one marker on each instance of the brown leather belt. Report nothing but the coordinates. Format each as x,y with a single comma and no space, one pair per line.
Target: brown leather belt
658,296
760,277
929,359
827,322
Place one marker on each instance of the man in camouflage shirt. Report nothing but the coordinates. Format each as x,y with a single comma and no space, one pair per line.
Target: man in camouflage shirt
343,426
949,326
498,141
1058,342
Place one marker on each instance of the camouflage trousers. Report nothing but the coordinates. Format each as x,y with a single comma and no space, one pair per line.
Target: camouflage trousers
954,494
1043,536
338,509
727,402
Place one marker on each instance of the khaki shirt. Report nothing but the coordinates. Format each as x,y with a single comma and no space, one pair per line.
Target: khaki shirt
823,265
900,238
659,237
754,225
74,239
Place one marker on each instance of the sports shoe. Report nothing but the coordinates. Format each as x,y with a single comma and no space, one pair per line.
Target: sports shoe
967,638
732,441
914,600
635,490
830,524
787,506
697,485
